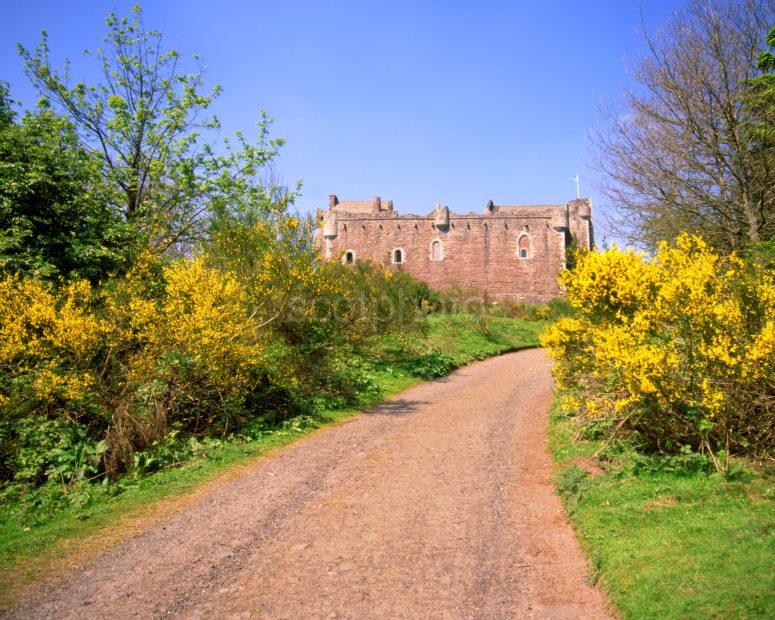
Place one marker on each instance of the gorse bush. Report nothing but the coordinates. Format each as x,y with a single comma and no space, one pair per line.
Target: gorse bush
197,346
127,360
182,349
676,350
48,340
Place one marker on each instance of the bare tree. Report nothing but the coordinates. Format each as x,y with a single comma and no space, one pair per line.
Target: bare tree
677,154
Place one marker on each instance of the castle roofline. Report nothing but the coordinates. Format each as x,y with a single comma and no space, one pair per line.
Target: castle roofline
376,206
524,206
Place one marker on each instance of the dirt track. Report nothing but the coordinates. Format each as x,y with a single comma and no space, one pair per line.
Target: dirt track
437,504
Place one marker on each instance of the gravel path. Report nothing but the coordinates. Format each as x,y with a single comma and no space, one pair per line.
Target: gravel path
436,504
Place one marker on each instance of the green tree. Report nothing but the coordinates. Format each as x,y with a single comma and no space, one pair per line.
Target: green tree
54,222
147,119
759,104
760,97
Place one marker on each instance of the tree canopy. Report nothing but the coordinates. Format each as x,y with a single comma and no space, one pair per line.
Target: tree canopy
147,121
684,152
54,219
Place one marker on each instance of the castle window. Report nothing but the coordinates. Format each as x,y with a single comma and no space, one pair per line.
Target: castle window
397,256
437,253
349,257
523,246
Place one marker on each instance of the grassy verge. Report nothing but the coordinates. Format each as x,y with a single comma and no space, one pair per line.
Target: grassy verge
32,543
666,538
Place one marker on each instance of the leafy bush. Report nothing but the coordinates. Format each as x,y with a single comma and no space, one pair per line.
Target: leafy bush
163,345
676,350
430,365
51,450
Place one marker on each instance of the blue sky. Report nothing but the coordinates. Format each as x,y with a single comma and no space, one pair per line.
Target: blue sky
419,102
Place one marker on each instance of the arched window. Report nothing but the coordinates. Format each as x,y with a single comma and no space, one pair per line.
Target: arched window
523,246
397,256
436,250
349,257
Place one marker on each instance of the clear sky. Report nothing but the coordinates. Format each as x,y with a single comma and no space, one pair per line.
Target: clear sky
418,102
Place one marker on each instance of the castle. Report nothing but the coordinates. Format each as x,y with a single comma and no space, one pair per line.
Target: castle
510,251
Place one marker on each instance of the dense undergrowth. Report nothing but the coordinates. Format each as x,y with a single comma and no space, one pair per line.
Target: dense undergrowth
667,536
96,381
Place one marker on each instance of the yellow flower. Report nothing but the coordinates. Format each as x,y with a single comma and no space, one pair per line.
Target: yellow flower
666,334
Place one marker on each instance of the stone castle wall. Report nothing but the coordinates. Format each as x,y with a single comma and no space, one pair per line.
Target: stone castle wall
511,251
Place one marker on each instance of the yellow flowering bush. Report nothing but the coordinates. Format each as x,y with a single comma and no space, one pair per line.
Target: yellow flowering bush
185,351
162,346
677,348
312,309
48,340
201,313
254,325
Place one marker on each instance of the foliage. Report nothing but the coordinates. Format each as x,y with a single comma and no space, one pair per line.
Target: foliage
186,350
759,99
55,450
682,153
145,121
431,365
163,344
54,220
676,350
762,253
49,342
255,326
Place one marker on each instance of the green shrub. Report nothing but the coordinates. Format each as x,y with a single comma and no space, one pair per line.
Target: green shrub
430,365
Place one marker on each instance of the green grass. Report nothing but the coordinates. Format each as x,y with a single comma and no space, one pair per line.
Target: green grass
458,337
29,548
671,542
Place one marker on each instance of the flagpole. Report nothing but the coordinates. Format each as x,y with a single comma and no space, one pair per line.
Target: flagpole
578,190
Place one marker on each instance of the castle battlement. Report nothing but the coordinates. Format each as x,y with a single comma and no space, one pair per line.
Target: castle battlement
511,251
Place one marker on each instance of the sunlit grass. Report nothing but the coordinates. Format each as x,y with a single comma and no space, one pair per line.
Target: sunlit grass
681,544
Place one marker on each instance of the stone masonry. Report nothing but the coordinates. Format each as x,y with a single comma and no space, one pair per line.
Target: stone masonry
510,251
